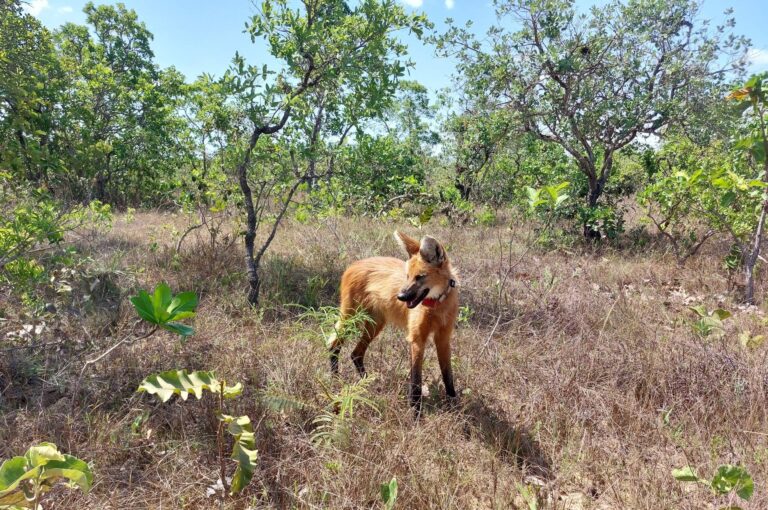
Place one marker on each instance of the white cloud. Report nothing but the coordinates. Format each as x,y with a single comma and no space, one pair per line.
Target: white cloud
758,57
35,7
64,10
413,3
449,4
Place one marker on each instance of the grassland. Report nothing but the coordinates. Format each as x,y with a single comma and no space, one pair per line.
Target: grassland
581,378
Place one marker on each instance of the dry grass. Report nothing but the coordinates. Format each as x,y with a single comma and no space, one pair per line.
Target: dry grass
567,366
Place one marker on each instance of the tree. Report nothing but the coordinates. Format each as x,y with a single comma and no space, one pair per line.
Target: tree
118,128
386,165
324,45
30,87
592,83
753,145
698,192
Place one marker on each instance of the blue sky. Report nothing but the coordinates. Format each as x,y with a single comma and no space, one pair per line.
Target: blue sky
199,36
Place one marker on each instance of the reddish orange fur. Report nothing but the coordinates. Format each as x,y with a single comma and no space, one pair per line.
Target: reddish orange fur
373,285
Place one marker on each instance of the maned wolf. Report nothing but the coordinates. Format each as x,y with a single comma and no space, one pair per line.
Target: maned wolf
390,290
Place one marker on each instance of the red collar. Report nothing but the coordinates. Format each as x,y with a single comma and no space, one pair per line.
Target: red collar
433,302
430,303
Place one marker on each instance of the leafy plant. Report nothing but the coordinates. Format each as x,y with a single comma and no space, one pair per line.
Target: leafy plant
528,493
333,423
487,217
548,197
465,314
180,382
31,224
566,61
389,494
331,326
165,310
24,479
727,479
751,341
710,322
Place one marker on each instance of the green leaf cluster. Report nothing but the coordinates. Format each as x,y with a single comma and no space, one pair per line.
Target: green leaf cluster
166,310
549,197
243,451
24,479
728,478
710,323
180,382
389,494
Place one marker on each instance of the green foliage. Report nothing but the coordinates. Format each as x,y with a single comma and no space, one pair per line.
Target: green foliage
698,192
389,494
486,217
243,451
710,323
465,314
85,111
183,383
180,382
31,223
333,424
328,320
727,479
555,72
24,479
165,310
547,198
602,218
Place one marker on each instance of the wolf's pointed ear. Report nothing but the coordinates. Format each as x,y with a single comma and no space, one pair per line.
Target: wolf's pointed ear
431,251
410,245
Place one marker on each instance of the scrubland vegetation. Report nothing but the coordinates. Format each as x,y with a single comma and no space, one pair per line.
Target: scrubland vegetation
162,239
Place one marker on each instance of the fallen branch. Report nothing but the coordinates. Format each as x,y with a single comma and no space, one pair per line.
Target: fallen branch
126,339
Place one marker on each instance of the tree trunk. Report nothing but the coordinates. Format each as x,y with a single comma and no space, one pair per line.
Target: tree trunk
751,260
596,187
752,257
254,282
461,184
595,190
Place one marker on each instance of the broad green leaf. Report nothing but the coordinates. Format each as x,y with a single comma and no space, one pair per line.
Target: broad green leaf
721,314
179,328
700,309
41,454
143,305
729,478
389,493
165,310
728,199
73,469
685,474
232,391
161,300
183,302
179,382
243,452
42,464
11,470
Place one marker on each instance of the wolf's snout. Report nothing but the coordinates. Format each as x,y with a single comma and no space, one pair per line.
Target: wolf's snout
406,296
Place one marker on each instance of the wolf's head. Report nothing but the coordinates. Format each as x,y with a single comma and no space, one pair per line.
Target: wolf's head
427,272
